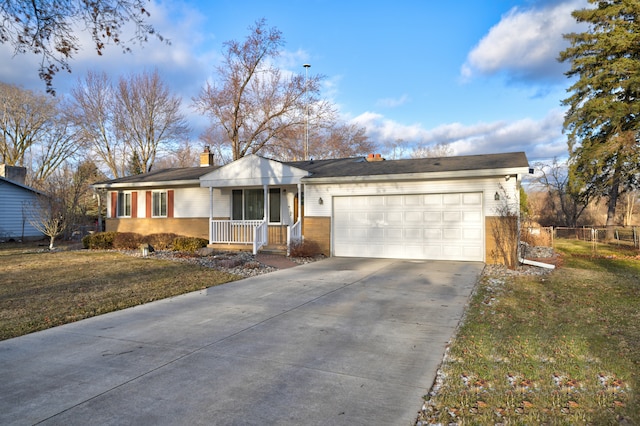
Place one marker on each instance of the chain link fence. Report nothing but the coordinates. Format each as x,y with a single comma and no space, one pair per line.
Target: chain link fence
544,236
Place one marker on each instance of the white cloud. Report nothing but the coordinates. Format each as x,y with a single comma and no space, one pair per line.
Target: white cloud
540,139
184,63
393,102
525,43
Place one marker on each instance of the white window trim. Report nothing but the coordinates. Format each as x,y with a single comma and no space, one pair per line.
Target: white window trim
118,204
166,203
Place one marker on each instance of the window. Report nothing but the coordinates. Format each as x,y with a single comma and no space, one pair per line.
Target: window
124,204
159,204
248,204
274,205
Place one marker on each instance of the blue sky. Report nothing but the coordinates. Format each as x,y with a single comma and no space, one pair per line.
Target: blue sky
482,76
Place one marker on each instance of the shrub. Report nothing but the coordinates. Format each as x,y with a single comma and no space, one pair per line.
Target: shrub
190,244
99,240
161,241
304,248
127,241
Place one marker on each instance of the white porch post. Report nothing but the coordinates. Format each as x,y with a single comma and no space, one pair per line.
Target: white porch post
211,215
265,190
299,202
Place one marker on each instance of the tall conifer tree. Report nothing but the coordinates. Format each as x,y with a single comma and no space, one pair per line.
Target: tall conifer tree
602,122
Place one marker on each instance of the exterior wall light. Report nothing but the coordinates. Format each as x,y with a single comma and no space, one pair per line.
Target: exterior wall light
320,201
496,197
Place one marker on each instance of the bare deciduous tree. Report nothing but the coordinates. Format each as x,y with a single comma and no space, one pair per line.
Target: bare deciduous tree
253,102
185,154
34,132
148,117
433,151
24,119
47,214
565,199
48,27
127,125
92,112
331,138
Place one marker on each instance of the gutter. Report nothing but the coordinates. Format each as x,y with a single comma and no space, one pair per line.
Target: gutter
453,174
167,183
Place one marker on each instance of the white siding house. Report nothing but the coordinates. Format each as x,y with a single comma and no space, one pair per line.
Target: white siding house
15,201
430,208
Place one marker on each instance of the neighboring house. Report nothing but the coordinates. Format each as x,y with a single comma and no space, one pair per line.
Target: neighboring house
431,208
16,199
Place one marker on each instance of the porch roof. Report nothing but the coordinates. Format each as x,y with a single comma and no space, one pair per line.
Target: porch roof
253,170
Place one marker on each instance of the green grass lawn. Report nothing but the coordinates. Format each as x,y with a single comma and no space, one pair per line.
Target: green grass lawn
41,289
562,348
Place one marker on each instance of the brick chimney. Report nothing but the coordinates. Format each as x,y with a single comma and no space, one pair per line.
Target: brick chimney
14,173
206,157
375,157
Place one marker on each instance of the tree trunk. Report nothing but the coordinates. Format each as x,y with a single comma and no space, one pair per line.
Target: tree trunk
611,209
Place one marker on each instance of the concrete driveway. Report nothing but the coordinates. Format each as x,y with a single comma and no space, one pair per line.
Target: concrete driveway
340,341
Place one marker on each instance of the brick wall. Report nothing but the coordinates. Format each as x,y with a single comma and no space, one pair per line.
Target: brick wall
188,227
317,229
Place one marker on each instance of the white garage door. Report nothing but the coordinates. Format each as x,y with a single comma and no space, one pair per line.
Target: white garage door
416,226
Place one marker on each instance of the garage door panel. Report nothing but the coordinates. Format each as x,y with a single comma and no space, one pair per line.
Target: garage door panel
432,234
412,200
392,200
414,226
411,234
413,216
451,199
393,234
453,216
472,217
432,216
452,233
468,251
472,199
434,200
472,234
376,218
393,218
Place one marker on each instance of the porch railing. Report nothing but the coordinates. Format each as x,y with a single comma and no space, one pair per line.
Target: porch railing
254,232
261,236
294,235
234,231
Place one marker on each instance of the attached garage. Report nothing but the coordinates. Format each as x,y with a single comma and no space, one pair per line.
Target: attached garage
443,226
446,208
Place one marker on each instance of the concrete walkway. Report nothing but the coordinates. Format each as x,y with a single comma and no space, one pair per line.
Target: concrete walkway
339,341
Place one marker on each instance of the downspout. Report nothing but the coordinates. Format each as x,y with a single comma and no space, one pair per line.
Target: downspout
534,262
211,215
300,204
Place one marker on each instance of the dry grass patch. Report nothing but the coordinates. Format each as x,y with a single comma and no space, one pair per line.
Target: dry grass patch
563,348
41,289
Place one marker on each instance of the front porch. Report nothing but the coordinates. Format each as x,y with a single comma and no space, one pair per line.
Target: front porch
255,202
253,235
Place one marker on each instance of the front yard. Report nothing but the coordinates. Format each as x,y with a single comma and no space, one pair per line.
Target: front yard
41,289
561,348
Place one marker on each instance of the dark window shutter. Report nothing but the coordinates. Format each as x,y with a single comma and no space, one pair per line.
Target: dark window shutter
170,203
